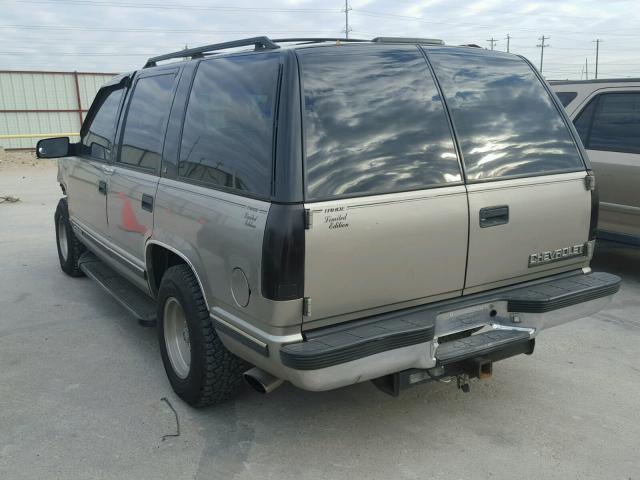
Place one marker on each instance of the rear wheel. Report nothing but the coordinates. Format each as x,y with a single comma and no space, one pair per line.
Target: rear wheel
200,369
69,247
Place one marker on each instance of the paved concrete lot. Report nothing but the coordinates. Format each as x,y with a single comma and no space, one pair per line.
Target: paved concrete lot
81,386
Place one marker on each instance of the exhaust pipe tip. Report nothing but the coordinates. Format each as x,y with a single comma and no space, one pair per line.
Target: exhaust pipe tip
261,381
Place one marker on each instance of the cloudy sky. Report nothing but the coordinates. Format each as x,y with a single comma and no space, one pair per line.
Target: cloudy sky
118,35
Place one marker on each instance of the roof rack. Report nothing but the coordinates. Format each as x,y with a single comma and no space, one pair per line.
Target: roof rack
318,40
261,43
422,41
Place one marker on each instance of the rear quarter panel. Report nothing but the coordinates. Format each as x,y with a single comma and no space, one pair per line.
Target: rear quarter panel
218,232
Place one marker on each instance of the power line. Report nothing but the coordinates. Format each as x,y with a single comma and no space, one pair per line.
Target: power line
457,23
542,46
145,30
492,41
174,6
508,37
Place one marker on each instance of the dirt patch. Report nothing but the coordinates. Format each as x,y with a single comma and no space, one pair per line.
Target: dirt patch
24,159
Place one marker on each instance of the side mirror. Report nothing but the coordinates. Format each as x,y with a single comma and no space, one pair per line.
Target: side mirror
53,147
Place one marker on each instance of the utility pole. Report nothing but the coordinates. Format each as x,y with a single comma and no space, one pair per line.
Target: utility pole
542,46
492,41
508,38
346,18
597,42
586,69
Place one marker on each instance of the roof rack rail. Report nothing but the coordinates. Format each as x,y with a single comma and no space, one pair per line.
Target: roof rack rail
318,40
422,41
198,52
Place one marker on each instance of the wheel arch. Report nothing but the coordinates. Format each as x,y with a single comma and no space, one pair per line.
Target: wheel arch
159,257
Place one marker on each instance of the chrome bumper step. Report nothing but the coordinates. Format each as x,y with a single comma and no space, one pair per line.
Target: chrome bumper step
358,339
479,344
339,344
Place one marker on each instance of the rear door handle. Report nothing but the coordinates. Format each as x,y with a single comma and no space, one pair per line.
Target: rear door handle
102,187
492,216
147,202
108,170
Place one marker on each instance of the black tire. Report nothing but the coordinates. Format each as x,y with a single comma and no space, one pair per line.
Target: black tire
69,258
214,374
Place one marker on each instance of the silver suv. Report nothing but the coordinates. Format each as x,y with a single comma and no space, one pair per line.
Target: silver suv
327,212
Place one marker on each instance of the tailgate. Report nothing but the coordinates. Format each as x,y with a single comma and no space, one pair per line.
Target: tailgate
544,229
529,205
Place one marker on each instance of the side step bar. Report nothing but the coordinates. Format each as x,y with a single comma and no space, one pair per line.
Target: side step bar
128,295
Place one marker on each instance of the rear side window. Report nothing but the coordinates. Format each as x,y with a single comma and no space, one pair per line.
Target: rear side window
374,123
566,97
506,121
146,121
97,140
616,123
227,140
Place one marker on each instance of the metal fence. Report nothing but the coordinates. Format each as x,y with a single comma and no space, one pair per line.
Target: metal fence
35,104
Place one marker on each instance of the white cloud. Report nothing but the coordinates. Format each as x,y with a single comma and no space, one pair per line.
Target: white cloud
76,41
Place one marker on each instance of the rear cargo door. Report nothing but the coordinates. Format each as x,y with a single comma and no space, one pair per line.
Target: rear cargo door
386,204
529,208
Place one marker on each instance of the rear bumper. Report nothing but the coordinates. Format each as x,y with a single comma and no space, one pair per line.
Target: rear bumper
415,338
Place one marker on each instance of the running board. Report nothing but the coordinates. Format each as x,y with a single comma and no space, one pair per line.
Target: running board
479,345
128,295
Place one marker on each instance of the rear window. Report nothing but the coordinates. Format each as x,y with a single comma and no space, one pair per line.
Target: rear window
227,140
374,123
566,97
506,121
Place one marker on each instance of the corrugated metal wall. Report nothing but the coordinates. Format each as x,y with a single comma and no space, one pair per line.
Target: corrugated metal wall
34,103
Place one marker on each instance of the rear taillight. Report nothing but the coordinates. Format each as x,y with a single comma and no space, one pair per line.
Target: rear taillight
283,253
592,185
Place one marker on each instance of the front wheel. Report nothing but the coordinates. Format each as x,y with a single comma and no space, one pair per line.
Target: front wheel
200,369
69,247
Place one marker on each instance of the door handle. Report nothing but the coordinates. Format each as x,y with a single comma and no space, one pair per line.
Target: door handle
492,216
102,187
147,202
108,170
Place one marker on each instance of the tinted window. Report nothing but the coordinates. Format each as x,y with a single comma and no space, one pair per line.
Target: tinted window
583,121
98,138
506,121
374,123
146,120
616,124
566,97
227,140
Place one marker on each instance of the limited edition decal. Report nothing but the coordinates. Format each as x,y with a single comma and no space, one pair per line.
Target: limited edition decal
336,217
